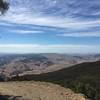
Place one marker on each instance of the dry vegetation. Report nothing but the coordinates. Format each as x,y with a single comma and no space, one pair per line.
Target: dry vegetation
37,91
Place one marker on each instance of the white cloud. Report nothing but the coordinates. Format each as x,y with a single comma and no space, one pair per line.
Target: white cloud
81,34
28,13
50,21
26,31
21,15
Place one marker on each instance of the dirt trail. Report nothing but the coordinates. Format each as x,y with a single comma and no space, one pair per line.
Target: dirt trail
37,91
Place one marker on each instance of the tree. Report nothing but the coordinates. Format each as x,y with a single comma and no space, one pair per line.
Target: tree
4,5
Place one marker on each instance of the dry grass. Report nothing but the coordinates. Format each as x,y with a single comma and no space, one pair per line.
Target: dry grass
38,91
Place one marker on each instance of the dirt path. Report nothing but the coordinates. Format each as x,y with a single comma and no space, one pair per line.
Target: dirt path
37,91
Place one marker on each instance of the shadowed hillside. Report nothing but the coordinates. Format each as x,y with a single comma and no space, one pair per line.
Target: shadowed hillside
84,78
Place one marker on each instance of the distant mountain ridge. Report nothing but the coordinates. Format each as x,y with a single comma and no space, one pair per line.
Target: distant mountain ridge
14,64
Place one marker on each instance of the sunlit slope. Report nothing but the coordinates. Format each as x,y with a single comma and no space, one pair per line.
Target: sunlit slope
37,91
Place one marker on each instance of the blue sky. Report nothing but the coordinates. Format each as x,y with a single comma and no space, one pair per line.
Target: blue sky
51,26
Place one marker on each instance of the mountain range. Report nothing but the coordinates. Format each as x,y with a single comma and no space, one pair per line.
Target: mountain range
21,64
78,72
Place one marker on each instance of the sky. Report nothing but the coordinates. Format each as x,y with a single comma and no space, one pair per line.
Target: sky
51,26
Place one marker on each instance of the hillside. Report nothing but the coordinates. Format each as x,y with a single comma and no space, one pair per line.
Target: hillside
83,78
14,64
36,91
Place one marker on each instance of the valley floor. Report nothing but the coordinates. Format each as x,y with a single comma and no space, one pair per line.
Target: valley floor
36,91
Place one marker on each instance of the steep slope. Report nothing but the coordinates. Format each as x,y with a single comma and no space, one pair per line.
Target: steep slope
84,78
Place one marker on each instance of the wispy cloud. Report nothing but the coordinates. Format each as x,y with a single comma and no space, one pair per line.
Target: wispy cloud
28,14
26,31
81,34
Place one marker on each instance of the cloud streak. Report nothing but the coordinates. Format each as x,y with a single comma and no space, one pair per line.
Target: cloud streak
25,14
80,34
26,32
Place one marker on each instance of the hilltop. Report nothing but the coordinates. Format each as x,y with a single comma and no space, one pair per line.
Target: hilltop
82,78
36,91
